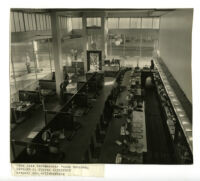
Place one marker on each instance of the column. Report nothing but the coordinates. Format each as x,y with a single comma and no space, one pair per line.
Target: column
104,33
57,51
35,49
85,43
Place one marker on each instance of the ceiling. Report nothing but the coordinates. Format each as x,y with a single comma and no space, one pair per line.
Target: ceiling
102,12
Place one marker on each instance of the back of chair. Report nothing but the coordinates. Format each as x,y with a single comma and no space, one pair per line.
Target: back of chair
47,84
82,86
32,96
81,100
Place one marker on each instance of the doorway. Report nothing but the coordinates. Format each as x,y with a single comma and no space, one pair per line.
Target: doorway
94,60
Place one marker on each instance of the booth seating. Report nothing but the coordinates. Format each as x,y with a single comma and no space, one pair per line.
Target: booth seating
31,96
47,87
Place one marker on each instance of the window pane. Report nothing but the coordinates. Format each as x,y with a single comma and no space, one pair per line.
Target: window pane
156,22
30,22
65,22
147,23
26,21
51,60
13,96
112,23
69,24
33,21
45,23
21,22
62,22
135,23
77,23
28,65
93,22
41,22
12,22
38,22
24,66
49,22
124,23
98,21
16,19
59,21
41,50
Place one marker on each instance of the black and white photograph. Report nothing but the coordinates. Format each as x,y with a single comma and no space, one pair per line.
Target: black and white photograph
103,86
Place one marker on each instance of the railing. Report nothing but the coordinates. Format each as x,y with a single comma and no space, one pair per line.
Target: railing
63,111
183,121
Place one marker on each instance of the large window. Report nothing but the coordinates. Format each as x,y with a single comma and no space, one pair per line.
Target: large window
23,66
156,23
12,82
133,23
113,23
21,22
147,23
77,23
68,23
30,61
93,22
124,23
43,58
16,21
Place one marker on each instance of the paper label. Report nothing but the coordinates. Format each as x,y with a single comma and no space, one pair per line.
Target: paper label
85,170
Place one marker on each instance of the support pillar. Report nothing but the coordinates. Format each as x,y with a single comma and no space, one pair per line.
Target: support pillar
104,33
57,51
85,42
35,49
